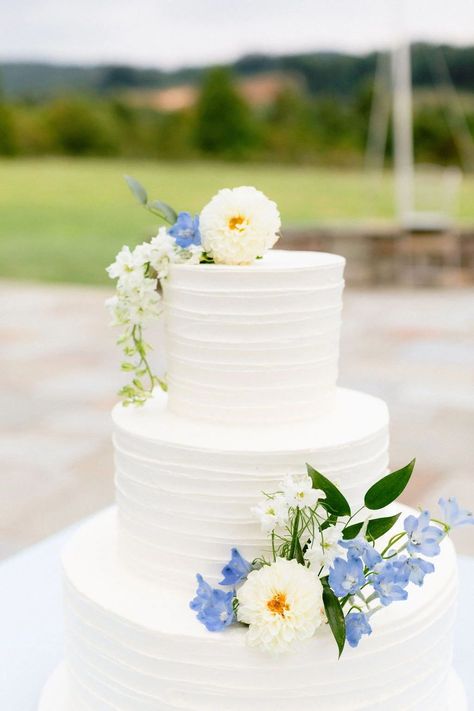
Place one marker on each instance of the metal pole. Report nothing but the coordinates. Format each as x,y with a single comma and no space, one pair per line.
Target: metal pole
403,132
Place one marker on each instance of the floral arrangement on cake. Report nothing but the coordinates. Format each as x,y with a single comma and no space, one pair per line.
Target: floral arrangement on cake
236,227
322,567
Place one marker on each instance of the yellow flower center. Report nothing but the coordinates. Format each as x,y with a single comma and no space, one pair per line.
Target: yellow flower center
236,222
278,604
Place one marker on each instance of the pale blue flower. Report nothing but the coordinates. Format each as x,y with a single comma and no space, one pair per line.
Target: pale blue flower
454,516
389,582
416,568
360,548
346,577
422,537
214,607
236,570
357,624
186,230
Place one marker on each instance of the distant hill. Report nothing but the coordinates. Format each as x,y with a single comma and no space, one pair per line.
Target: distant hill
320,72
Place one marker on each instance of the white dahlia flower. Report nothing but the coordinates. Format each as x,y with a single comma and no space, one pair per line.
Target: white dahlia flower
281,603
239,225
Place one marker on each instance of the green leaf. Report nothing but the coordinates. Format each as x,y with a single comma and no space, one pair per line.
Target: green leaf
389,488
376,527
335,616
330,521
351,532
165,211
137,189
334,502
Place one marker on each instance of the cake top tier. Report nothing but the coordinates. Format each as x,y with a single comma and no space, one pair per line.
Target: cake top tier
255,343
277,270
250,333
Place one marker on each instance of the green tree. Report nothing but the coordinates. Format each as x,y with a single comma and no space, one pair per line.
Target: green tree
8,144
173,135
224,125
79,128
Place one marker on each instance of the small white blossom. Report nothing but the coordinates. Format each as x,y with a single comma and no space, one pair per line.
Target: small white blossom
194,253
281,603
272,513
163,252
125,264
298,491
118,309
142,254
144,304
325,548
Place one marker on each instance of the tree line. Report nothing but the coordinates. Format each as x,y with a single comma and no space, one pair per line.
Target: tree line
297,126
320,72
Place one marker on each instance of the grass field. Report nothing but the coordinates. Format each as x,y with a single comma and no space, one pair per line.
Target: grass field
64,220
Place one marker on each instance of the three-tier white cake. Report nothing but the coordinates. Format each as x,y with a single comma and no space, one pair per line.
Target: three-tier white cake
252,367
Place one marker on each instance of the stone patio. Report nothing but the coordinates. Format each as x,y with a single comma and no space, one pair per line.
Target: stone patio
59,374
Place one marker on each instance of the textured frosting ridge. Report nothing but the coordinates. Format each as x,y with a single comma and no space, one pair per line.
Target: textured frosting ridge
254,344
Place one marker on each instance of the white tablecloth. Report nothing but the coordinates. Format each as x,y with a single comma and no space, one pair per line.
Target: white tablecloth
31,630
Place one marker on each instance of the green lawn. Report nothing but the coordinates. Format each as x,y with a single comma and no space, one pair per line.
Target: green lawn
64,220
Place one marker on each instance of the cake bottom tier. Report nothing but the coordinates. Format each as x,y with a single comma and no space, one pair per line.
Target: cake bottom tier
134,645
57,694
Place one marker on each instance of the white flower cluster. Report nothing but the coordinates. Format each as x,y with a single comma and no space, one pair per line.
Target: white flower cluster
137,301
239,225
296,492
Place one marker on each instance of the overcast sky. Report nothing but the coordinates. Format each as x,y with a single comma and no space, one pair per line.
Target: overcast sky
172,33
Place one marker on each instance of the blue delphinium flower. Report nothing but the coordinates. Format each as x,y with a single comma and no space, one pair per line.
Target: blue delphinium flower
357,624
416,568
186,230
422,537
346,577
360,548
214,607
236,569
453,515
389,582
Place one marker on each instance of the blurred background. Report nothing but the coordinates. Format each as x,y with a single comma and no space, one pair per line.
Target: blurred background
356,116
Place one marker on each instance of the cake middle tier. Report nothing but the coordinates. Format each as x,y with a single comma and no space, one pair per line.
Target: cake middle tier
185,489
257,343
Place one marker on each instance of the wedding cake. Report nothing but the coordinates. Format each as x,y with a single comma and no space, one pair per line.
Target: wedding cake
252,353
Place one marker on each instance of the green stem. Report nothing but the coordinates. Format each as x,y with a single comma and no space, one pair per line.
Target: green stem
353,516
294,537
138,342
443,525
392,542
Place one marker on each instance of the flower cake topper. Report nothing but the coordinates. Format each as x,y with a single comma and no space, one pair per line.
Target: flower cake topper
239,225
236,227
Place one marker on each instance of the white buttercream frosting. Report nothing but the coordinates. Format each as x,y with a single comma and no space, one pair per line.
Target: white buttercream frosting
252,354
185,488
256,343
132,645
